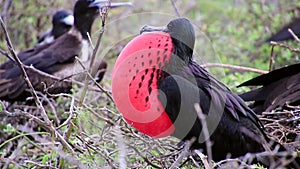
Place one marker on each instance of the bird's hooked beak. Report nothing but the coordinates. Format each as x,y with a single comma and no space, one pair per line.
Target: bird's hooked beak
69,20
148,28
105,3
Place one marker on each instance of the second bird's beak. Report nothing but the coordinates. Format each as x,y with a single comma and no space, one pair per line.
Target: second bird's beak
104,3
148,28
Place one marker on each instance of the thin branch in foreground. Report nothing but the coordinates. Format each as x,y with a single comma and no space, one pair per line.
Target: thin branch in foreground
175,8
3,52
39,165
92,78
122,148
184,153
41,123
234,67
205,131
295,50
143,157
104,16
272,58
294,35
204,159
26,78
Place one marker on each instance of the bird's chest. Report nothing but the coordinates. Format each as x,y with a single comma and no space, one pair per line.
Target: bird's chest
85,52
75,68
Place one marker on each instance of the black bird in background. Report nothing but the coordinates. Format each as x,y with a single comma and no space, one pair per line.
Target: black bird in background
181,83
58,58
283,34
278,87
62,21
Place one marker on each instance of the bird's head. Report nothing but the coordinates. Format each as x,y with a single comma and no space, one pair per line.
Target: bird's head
62,22
64,17
183,36
86,11
90,8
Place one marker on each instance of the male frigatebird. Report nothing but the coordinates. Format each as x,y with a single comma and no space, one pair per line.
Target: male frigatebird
278,87
161,91
283,34
62,21
58,58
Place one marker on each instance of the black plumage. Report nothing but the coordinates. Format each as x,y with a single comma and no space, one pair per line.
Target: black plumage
233,128
56,58
283,34
278,87
62,21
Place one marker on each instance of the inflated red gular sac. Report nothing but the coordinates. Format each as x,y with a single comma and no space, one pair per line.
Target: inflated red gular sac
161,91
134,83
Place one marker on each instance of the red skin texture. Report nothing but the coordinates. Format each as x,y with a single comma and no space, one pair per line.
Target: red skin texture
134,83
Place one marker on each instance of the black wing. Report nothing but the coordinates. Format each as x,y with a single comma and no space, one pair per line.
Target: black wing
273,76
228,119
278,87
283,34
44,35
48,60
233,103
23,55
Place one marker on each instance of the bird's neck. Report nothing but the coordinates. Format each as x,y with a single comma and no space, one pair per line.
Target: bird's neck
182,51
85,51
84,26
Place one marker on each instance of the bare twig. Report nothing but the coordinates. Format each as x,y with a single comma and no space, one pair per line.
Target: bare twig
240,68
71,112
85,106
15,153
96,149
41,123
203,159
294,35
26,78
39,165
184,153
3,52
175,8
295,50
5,10
21,135
144,158
92,78
95,50
204,130
219,163
45,98
272,58
122,148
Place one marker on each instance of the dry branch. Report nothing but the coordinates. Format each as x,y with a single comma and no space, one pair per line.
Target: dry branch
26,78
175,8
234,67
104,15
